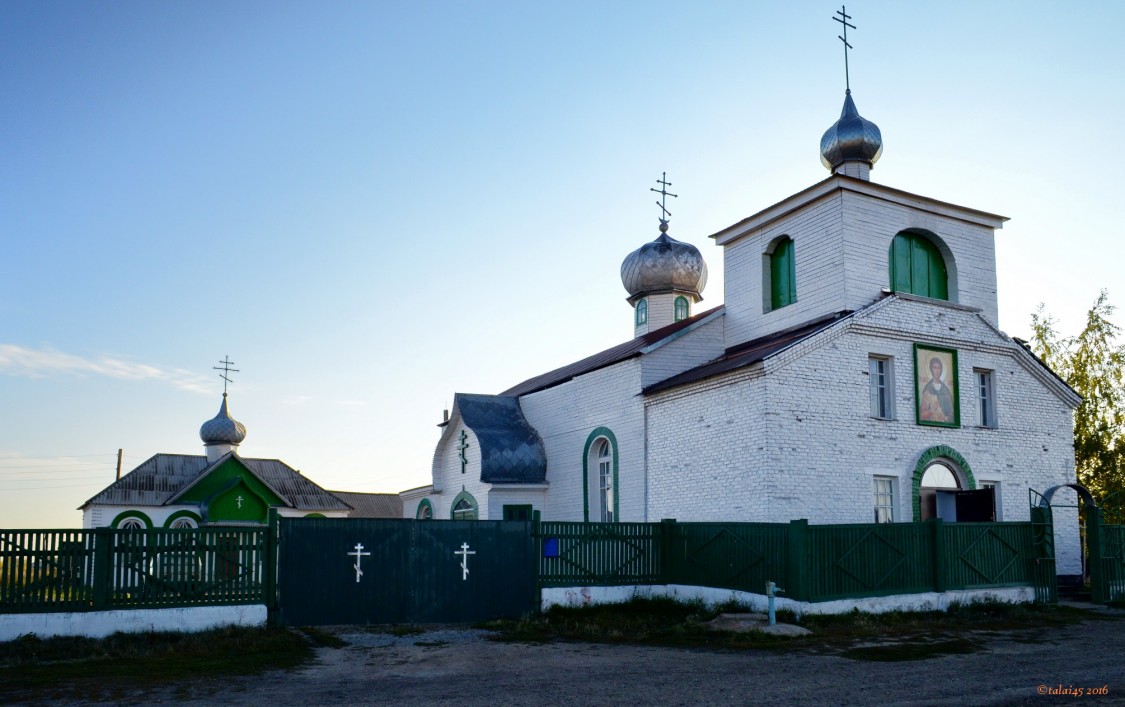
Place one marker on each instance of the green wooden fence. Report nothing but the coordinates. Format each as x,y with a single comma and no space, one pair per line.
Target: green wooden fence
1112,579
812,563
106,568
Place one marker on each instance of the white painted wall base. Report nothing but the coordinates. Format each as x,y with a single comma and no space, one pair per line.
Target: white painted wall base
926,601
98,624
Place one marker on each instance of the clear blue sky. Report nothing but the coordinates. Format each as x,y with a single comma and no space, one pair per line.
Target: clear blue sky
372,205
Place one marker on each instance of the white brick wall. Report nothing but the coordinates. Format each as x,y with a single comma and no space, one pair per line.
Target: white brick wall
793,437
841,245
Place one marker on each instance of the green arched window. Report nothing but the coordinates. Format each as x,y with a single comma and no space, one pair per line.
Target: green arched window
783,274
464,507
917,267
642,312
425,510
681,308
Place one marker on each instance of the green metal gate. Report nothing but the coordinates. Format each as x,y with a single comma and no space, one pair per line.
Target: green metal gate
1043,544
365,571
1107,552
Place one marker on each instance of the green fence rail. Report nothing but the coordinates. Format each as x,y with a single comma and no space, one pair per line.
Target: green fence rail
812,563
106,568
1112,577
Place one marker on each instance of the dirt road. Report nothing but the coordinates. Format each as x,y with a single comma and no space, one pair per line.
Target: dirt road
463,666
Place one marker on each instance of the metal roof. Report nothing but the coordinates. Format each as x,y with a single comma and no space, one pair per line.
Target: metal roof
161,478
511,451
371,505
749,353
605,358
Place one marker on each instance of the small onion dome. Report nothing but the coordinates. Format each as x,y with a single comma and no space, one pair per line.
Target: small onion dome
222,428
664,265
852,138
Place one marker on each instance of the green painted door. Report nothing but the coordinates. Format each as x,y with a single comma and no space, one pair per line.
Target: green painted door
364,571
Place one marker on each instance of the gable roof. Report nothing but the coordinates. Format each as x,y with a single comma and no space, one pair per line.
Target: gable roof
748,353
163,477
608,357
511,451
371,505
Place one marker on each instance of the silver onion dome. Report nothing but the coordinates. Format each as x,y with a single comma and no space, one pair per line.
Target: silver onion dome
664,265
852,138
222,428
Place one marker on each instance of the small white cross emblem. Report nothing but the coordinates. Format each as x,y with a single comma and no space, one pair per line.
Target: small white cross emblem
464,552
358,555
239,499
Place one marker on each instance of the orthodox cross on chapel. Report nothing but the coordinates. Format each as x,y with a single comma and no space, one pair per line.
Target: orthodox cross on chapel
664,194
359,554
843,19
226,371
461,450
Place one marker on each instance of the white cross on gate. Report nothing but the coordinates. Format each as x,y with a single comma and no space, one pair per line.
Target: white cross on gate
358,555
239,499
464,552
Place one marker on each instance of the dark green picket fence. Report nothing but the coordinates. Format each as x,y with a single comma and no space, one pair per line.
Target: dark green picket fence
106,568
813,563
1112,578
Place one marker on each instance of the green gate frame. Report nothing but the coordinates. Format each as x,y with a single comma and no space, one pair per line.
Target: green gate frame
1043,543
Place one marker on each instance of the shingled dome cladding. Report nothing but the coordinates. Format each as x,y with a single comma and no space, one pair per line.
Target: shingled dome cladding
511,451
852,138
222,428
664,265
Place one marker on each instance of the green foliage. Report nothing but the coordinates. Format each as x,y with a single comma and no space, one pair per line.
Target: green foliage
1092,363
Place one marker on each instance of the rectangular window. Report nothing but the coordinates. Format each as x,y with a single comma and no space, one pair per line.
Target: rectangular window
986,397
882,387
884,499
995,486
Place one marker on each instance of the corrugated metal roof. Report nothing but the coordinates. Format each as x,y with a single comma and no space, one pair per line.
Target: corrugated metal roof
371,505
747,354
162,477
605,358
511,451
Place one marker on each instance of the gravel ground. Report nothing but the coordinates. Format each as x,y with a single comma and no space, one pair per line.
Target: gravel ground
448,664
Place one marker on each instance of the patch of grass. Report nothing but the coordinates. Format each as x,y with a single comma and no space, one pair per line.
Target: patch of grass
322,638
33,669
895,652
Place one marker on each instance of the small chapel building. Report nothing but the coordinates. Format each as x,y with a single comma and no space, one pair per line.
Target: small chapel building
221,487
856,373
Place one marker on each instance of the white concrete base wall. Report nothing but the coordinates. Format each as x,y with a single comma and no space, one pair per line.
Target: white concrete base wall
98,624
926,601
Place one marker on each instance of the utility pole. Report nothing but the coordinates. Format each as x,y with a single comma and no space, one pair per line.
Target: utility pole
118,464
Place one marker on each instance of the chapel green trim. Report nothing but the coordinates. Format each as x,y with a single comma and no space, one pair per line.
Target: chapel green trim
608,434
217,495
473,514
423,506
641,313
314,515
928,457
783,274
680,308
131,514
182,514
916,267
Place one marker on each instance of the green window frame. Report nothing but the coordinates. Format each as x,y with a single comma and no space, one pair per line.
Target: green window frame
135,516
642,312
917,267
601,477
681,309
464,507
170,521
521,511
783,274
425,510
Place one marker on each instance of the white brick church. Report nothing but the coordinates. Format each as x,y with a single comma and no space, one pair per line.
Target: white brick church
855,373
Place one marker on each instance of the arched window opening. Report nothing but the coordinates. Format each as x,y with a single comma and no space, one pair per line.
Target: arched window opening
783,274
181,523
605,476
464,507
425,510
642,312
938,476
131,524
917,267
681,308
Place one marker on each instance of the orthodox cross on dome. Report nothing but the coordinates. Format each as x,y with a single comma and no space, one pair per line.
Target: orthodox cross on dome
664,194
843,19
464,552
359,554
226,371
461,450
